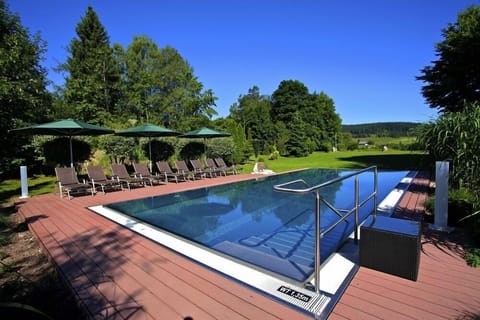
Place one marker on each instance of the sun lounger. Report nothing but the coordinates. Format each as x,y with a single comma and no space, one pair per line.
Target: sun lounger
168,173
199,168
119,172
182,167
68,183
211,164
221,164
98,179
142,172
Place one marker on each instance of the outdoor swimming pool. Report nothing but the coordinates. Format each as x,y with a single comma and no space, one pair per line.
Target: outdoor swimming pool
251,223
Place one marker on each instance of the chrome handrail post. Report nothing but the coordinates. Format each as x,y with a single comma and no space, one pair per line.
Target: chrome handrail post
317,242
375,197
356,208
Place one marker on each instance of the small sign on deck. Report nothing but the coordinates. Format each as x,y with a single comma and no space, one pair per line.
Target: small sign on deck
294,294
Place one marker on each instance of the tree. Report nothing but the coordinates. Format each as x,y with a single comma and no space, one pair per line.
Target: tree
23,95
160,86
242,147
298,144
288,98
453,79
314,114
322,122
253,112
92,86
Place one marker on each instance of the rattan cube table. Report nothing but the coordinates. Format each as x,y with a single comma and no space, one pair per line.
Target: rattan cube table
391,245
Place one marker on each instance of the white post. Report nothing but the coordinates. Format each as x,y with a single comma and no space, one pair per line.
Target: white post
24,182
441,197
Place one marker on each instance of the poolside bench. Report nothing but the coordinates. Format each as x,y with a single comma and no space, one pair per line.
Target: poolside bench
391,245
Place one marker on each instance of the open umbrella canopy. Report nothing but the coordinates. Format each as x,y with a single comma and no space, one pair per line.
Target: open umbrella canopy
149,131
205,133
66,127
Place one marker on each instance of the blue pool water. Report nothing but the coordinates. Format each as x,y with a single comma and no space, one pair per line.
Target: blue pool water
253,223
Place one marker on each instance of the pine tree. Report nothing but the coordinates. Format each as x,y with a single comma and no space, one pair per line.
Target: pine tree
92,86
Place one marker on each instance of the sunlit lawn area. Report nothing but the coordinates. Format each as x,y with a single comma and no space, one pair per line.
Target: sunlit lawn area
389,160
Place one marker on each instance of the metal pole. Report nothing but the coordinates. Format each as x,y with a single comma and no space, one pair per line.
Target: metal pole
150,153
356,209
71,153
317,242
375,197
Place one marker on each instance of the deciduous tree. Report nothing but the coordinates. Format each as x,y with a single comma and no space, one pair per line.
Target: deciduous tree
23,95
454,79
160,86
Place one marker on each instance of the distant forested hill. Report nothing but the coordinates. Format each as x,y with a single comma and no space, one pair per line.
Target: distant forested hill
381,129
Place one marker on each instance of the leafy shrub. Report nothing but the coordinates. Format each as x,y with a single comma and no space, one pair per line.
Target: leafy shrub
472,257
274,155
161,150
192,150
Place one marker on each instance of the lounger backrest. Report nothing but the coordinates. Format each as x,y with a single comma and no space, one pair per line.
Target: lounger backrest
96,173
66,175
181,165
211,163
220,162
196,164
163,167
120,171
142,169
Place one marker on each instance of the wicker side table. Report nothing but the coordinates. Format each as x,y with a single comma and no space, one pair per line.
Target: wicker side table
391,245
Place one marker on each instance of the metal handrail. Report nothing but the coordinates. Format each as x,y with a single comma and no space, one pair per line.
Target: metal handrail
283,187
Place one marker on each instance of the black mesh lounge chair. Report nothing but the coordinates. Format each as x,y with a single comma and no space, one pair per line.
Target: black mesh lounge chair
68,183
221,164
168,173
199,168
211,164
119,172
183,168
142,172
98,179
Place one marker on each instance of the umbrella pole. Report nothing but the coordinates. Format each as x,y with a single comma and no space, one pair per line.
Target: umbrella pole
71,152
150,153
205,147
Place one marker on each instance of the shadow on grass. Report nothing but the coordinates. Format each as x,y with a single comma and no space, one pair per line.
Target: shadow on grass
393,161
38,188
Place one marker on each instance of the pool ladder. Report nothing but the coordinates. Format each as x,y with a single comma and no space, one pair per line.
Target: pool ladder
343,214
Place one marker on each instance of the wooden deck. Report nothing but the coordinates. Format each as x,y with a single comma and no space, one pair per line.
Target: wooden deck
117,274
446,287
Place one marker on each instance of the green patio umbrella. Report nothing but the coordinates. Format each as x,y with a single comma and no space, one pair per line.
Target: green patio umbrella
148,131
67,128
205,133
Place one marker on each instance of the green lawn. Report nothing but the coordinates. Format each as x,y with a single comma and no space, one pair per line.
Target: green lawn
10,189
389,160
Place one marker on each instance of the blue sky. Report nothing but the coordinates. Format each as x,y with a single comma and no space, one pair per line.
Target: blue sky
365,55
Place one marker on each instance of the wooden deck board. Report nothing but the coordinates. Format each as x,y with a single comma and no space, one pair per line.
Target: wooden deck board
118,274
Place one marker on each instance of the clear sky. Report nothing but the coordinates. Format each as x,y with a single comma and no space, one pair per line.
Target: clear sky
365,55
